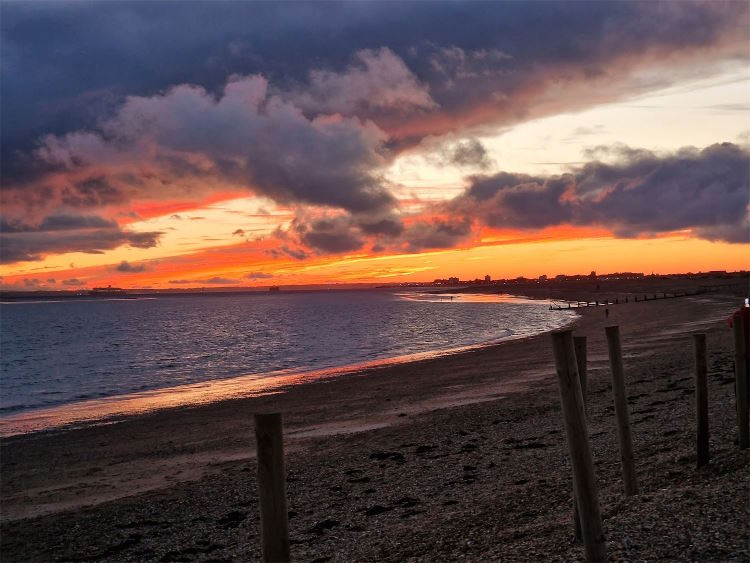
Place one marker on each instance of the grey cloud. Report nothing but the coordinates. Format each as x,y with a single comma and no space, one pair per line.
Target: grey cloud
517,200
342,233
245,137
258,276
67,233
432,234
219,281
129,268
60,222
469,152
389,226
216,280
640,193
92,192
330,236
378,79
296,253
72,281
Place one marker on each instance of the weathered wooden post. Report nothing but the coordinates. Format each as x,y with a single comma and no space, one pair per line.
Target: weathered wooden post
701,399
274,523
740,378
579,344
621,410
584,479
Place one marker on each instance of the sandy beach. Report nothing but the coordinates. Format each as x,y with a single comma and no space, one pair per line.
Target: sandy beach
455,458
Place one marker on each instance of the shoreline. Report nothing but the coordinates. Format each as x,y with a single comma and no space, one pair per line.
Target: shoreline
459,457
116,408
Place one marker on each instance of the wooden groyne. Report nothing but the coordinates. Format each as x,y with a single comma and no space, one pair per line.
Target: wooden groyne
608,302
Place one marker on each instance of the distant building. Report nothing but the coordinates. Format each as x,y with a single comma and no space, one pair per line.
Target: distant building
487,278
543,278
453,280
108,291
592,275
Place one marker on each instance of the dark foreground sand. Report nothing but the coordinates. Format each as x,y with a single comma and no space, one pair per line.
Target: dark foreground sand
459,458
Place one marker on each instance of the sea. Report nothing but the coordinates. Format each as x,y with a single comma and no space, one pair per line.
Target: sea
69,361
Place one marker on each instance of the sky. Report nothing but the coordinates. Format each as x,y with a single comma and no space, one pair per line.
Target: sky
206,144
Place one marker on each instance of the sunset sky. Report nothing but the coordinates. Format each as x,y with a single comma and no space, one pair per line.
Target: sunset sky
177,145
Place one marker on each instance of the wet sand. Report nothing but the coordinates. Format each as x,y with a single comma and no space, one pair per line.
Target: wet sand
460,457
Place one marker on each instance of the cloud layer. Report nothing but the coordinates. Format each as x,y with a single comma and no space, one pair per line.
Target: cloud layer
257,98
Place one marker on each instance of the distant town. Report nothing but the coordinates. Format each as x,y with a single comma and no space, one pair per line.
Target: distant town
536,285
593,276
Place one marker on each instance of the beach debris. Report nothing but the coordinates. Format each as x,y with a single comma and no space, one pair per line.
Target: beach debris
319,528
377,509
232,519
393,456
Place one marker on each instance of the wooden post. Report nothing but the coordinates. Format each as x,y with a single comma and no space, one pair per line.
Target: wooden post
740,377
584,479
274,523
579,344
621,410
701,398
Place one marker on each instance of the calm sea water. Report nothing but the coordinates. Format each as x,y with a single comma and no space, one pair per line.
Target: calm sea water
58,353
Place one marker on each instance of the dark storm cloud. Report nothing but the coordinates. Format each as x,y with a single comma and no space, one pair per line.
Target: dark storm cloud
638,193
68,65
67,233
